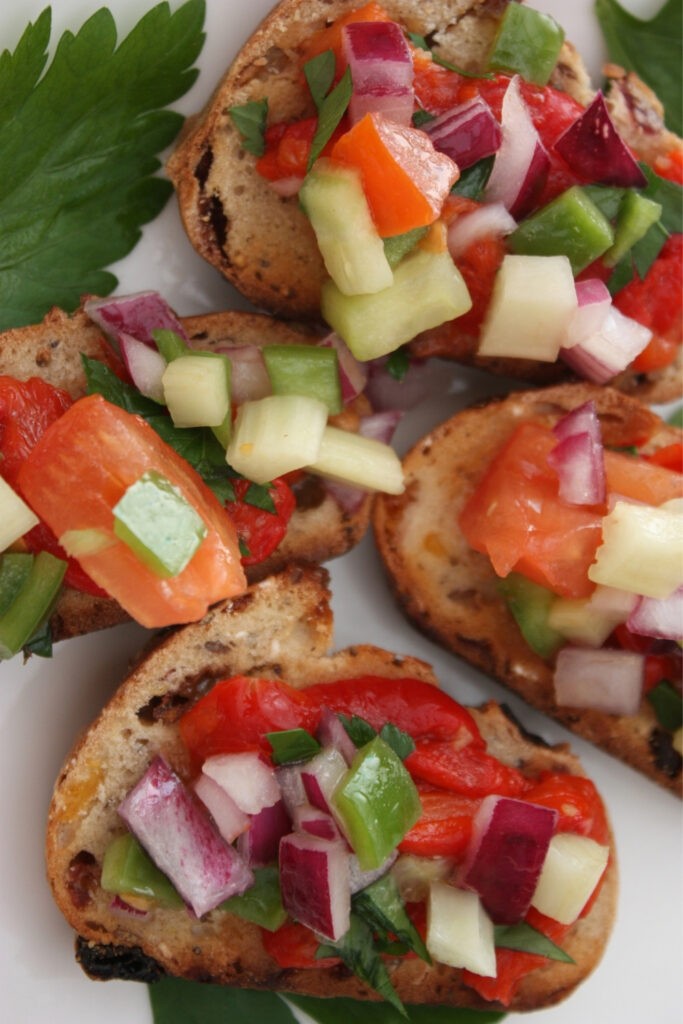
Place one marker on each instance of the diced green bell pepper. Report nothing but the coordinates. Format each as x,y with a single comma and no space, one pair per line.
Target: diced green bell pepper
529,604
398,246
377,803
32,602
570,225
310,370
262,902
15,567
159,525
127,870
527,42
636,216
170,344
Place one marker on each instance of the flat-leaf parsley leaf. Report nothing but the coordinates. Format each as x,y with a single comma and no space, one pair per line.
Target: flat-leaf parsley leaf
79,145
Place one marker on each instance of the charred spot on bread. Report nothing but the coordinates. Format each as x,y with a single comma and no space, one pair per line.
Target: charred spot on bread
531,737
82,878
666,757
203,167
117,963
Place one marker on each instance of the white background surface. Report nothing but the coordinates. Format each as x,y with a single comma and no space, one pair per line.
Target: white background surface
43,704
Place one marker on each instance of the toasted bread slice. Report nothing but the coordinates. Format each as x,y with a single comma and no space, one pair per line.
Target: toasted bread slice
319,528
281,628
263,243
450,591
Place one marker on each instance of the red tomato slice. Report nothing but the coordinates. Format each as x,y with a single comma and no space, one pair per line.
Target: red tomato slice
577,802
79,470
641,479
444,828
295,945
260,531
469,771
516,516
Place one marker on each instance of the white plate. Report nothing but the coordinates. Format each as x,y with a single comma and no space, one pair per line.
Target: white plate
43,705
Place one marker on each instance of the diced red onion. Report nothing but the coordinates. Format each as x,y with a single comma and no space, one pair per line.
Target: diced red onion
607,680
509,843
120,906
249,378
610,350
578,456
489,219
593,148
287,187
658,617
246,778
521,164
424,378
145,365
138,315
348,497
360,879
380,426
331,733
314,882
181,839
353,374
466,133
308,818
594,302
291,787
230,820
320,776
381,70
260,843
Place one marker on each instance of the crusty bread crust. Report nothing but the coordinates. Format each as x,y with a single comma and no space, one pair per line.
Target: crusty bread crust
319,528
450,591
282,628
263,243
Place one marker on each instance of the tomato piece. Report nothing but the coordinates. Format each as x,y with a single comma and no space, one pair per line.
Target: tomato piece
641,479
516,516
287,149
260,531
444,828
670,457
78,471
237,712
27,408
577,802
656,302
405,179
295,945
469,771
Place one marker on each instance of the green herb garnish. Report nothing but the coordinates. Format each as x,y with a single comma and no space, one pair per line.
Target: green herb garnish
361,732
330,112
357,949
292,745
668,705
250,121
319,73
527,939
652,48
79,145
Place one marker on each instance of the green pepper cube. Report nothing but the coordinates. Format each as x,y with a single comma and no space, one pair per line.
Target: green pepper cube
529,604
309,370
170,344
158,524
377,803
527,42
32,603
128,871
15,567
261,902
637,214
571,225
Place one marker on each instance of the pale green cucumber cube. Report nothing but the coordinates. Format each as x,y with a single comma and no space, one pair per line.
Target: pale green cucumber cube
158,524
197,389
361,461
353,252
305,370
275,435
427,290
16,518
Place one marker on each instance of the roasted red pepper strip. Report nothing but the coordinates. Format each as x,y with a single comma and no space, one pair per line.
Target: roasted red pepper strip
260,531
467,770
445,825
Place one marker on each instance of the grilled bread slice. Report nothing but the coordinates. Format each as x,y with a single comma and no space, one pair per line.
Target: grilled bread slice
282,628
263,243
319,528
451,592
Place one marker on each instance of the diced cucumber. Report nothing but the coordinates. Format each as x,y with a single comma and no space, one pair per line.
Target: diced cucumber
572,868
352,250
16,518
276,435
32,604
641,550
459,931
305,370
588,621
636,216
427,290
362,461
197,389
533,299
570,225
158,524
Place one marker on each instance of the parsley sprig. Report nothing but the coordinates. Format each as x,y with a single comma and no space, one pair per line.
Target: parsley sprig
79,145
